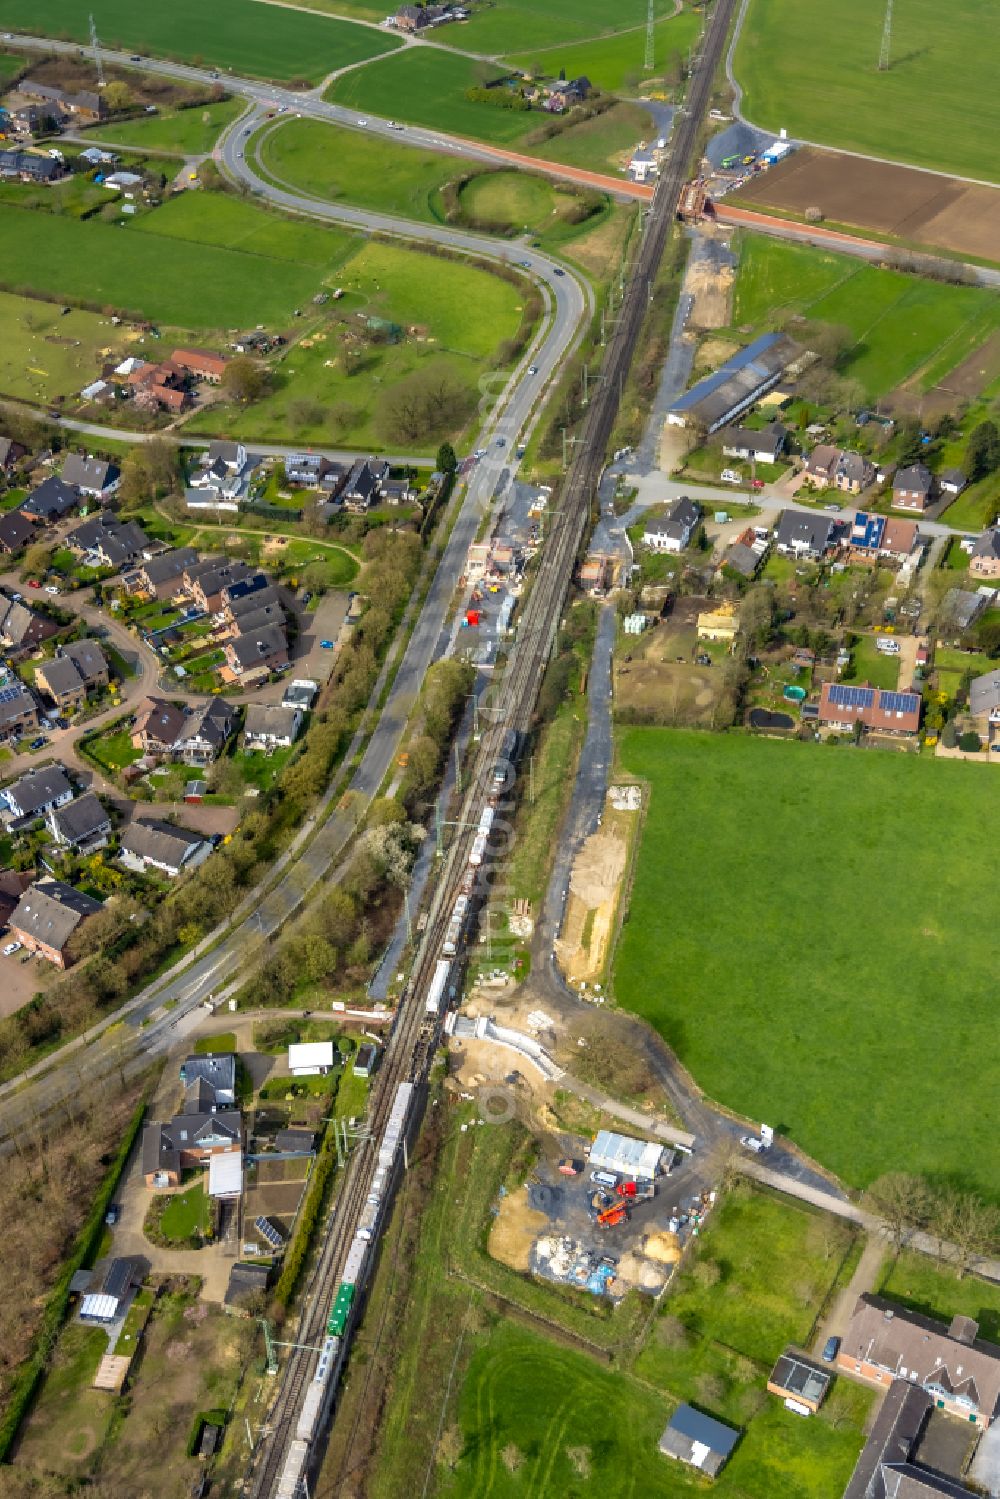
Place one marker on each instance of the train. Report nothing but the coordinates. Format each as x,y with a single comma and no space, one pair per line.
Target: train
437,993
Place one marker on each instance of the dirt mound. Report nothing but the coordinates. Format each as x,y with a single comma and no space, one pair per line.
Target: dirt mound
598,867
515,1229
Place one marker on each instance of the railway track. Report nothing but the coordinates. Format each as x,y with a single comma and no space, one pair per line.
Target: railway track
411,1043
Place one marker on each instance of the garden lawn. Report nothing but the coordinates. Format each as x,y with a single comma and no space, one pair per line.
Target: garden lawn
186,1213
926,1286
936,105
426,86
239,35
10,63
113,751
189,132
613,63
903,326
803,935
868,664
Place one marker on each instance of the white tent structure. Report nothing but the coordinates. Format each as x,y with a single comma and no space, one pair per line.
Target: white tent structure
637,1159
310,1058
225,1174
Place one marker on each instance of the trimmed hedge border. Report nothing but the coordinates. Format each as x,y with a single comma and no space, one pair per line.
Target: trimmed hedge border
30,1374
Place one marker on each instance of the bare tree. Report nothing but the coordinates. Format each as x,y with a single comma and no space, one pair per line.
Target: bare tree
965,1227
902,1203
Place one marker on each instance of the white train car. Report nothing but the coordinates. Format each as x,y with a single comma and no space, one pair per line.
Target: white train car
486,820
356,1264
309,1412
453,935
326,1360
293,1472
437,993
478,850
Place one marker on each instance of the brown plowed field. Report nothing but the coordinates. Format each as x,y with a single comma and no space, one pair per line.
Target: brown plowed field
916,207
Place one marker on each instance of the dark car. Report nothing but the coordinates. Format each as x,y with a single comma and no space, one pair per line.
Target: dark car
37,743
113,1214
215,839
62,723
830,1350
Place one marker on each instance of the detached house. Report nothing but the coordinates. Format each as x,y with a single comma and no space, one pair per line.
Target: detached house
202,364
16,530
674,532
82,825
11,453
89,660
21,627
63,683
148,844
363,485
32,794
758,447
46,917
270,727
802,534
158,725
53,499
109,541
187,1142
842,706
985,559
911,488
204,735
18,712
91,476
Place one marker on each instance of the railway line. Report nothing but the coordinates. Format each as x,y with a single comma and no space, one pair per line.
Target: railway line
283,1457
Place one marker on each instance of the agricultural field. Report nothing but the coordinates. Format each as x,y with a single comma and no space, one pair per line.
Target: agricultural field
426,86
184,132
10,63
616,63
899,204
244,37
547,24
782,1004
907,329
936,105
57,355
602,143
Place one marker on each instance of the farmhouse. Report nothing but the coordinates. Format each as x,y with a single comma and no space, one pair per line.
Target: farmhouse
91,476
984,561
85,105
758,447
733,389
82,825
270,727
36,791
698,1440
888,1467
46,917
960,1372
148,844
201,364
911,488
802,534
841,707
673,533
18,711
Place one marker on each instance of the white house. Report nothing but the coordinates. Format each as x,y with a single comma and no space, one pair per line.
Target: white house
674,531
271,726
148,844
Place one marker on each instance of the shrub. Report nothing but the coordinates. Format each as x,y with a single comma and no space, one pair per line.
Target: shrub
970,743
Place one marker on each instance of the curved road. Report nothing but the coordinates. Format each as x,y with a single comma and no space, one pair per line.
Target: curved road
159,1014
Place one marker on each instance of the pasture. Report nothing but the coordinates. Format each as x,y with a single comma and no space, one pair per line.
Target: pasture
56,355
548,23
426,86
906,328
184,132
936,105
615,63
247,229
806,936
241,36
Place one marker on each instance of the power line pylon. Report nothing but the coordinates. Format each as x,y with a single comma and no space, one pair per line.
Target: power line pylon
883,56
97,52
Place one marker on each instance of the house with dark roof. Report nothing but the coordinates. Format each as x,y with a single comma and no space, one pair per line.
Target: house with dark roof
52,499
245,1280
798,1379
673,532
11,453
984,560
889,1465
842,706
63,683
240,606
32,794
951,481
91,476
162,576
216,1071
157,727
89,660
802,533
148,844
110,541
30,166
187,1142
207,582
21,627
271,726
46,917
82,825
252,656
698,1440
765,446
363,484
911,488
204,736
984,697
16,530
18,712
959,1371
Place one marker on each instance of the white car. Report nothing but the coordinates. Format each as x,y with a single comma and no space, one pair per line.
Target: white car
51,588
362,122
11,949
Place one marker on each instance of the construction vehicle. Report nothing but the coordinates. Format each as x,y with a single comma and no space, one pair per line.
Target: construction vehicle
612,1216
732,161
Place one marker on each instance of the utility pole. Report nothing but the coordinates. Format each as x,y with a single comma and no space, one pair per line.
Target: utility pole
650,18
883,57
98,64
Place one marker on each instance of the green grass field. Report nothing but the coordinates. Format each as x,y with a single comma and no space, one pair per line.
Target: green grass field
217,219
869,664
614,63
264,41
57,356
745,945
926,1286
427,87
906,328
549,23
10,63
601,144
188,132
812,68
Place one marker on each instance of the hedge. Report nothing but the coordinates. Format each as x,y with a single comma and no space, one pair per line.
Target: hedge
323,1170
28,1376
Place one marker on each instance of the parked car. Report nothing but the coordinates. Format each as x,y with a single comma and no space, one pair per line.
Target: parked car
38,743
326,645
11,949
830,1350
34,583
51,588
113,1214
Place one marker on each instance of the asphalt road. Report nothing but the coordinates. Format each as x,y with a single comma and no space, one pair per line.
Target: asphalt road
152,1027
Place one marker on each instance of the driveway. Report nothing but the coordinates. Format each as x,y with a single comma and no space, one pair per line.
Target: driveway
20,981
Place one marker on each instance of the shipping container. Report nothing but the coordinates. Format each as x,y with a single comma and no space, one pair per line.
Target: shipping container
437,993
309,1411
290,1482
341,1309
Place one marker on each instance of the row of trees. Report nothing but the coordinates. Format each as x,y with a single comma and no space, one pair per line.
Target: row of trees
963,1225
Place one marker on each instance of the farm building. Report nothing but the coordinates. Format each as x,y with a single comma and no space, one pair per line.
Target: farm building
698,1440
736,385
626,1156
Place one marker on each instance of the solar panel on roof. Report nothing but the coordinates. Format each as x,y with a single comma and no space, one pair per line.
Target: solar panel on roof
9,694
899,702
851,697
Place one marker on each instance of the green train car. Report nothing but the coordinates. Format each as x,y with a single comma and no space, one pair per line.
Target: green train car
342,1304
